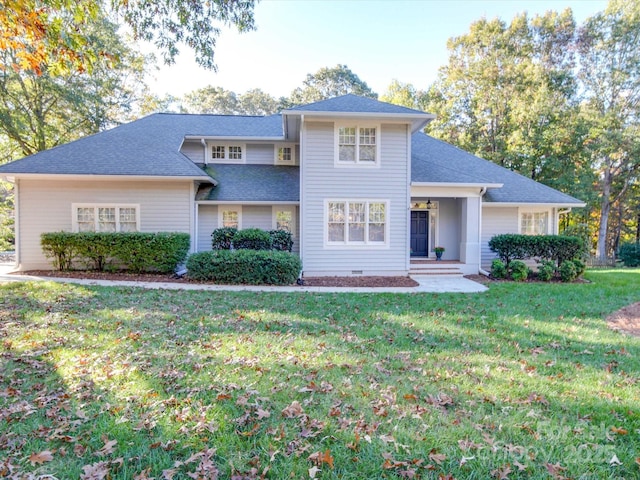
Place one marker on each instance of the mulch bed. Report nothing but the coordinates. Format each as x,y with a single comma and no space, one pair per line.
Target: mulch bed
626,320
147,277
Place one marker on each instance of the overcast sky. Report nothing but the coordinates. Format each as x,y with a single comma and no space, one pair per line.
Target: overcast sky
378,40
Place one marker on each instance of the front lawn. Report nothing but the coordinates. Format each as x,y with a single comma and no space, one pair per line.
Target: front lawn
523,381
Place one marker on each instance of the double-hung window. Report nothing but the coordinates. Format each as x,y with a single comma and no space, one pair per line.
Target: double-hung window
357,222
284,218
285,154
534,223
357,145
226,153
105,218
230,216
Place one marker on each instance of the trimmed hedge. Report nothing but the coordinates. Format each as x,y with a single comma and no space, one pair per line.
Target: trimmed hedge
629,253
226,238
133,251
558,248
249,267
221,238
252,239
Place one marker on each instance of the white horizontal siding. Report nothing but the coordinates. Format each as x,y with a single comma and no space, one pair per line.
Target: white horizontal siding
45,206
193,150
253,216
496,221
207,223
322,180
260,154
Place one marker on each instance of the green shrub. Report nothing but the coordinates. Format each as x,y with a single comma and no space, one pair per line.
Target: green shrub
134,251
252,267
546,270
568,271
498,269
629,253
151,252
580,266
519,270
221,238
545,247
281,240
59,247
252,239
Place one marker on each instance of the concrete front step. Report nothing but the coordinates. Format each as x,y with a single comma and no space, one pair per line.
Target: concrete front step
435,271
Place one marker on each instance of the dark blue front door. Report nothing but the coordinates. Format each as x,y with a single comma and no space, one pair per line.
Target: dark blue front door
419,234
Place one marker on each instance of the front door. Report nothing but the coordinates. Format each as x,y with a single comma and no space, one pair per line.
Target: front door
419,234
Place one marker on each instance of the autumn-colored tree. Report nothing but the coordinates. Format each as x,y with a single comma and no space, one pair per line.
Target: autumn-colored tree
50,34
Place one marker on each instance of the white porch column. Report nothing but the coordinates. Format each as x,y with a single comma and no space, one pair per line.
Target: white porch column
470,232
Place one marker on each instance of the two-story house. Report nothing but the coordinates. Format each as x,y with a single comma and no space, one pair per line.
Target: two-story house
355,180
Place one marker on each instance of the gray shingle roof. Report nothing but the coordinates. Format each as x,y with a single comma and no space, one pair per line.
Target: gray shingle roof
353,103
252,183
436,161
149,146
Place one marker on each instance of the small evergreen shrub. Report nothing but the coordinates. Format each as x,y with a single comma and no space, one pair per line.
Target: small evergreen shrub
519,270
546,270
580,266
221,238
545,247
252,239
568,271
629,253
250,267
498,269
281,240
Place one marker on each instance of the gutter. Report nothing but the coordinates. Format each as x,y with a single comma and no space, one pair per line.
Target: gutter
483,190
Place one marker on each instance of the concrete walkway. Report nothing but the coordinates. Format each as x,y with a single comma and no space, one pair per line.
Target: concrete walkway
429,284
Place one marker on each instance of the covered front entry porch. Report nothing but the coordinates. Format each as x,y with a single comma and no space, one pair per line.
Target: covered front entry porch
447,218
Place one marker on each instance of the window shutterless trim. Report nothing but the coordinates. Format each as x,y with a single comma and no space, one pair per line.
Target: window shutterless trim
228,150
366,243
96,220
229,208
357,163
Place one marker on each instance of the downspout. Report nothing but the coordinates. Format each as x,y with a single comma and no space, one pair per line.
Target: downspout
483,190
204,146
301,208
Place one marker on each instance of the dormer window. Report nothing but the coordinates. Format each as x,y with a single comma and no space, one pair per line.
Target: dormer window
285,154
226,153
357,145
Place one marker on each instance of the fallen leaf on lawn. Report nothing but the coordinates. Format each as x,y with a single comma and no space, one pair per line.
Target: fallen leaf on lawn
319,458
262,413
437,457
40,458
501,473
313,471
555,470
465,460
96,471
521,467
614,461
108,447
619,431
143,475
293,410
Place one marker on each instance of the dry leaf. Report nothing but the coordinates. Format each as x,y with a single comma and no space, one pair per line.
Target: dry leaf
108,447
502,473
614,461
40,458
313,471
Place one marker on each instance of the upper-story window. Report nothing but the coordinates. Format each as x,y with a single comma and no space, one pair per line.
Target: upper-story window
357,145
285,154
534,223
226,153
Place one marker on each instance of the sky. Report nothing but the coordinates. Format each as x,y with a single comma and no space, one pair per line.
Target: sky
379,40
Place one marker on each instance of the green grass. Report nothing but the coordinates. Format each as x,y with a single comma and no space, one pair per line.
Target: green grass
523,381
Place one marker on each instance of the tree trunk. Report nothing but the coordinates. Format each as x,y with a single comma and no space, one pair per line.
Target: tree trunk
605,208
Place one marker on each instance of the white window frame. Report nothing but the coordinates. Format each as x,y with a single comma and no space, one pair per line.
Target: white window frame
276,151
357,163
96,206
284,208
534,212
229,208
227,146
356,244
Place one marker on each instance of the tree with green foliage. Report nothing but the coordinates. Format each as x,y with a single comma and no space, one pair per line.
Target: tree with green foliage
330,82
217,100
50,35
406,95
609,50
